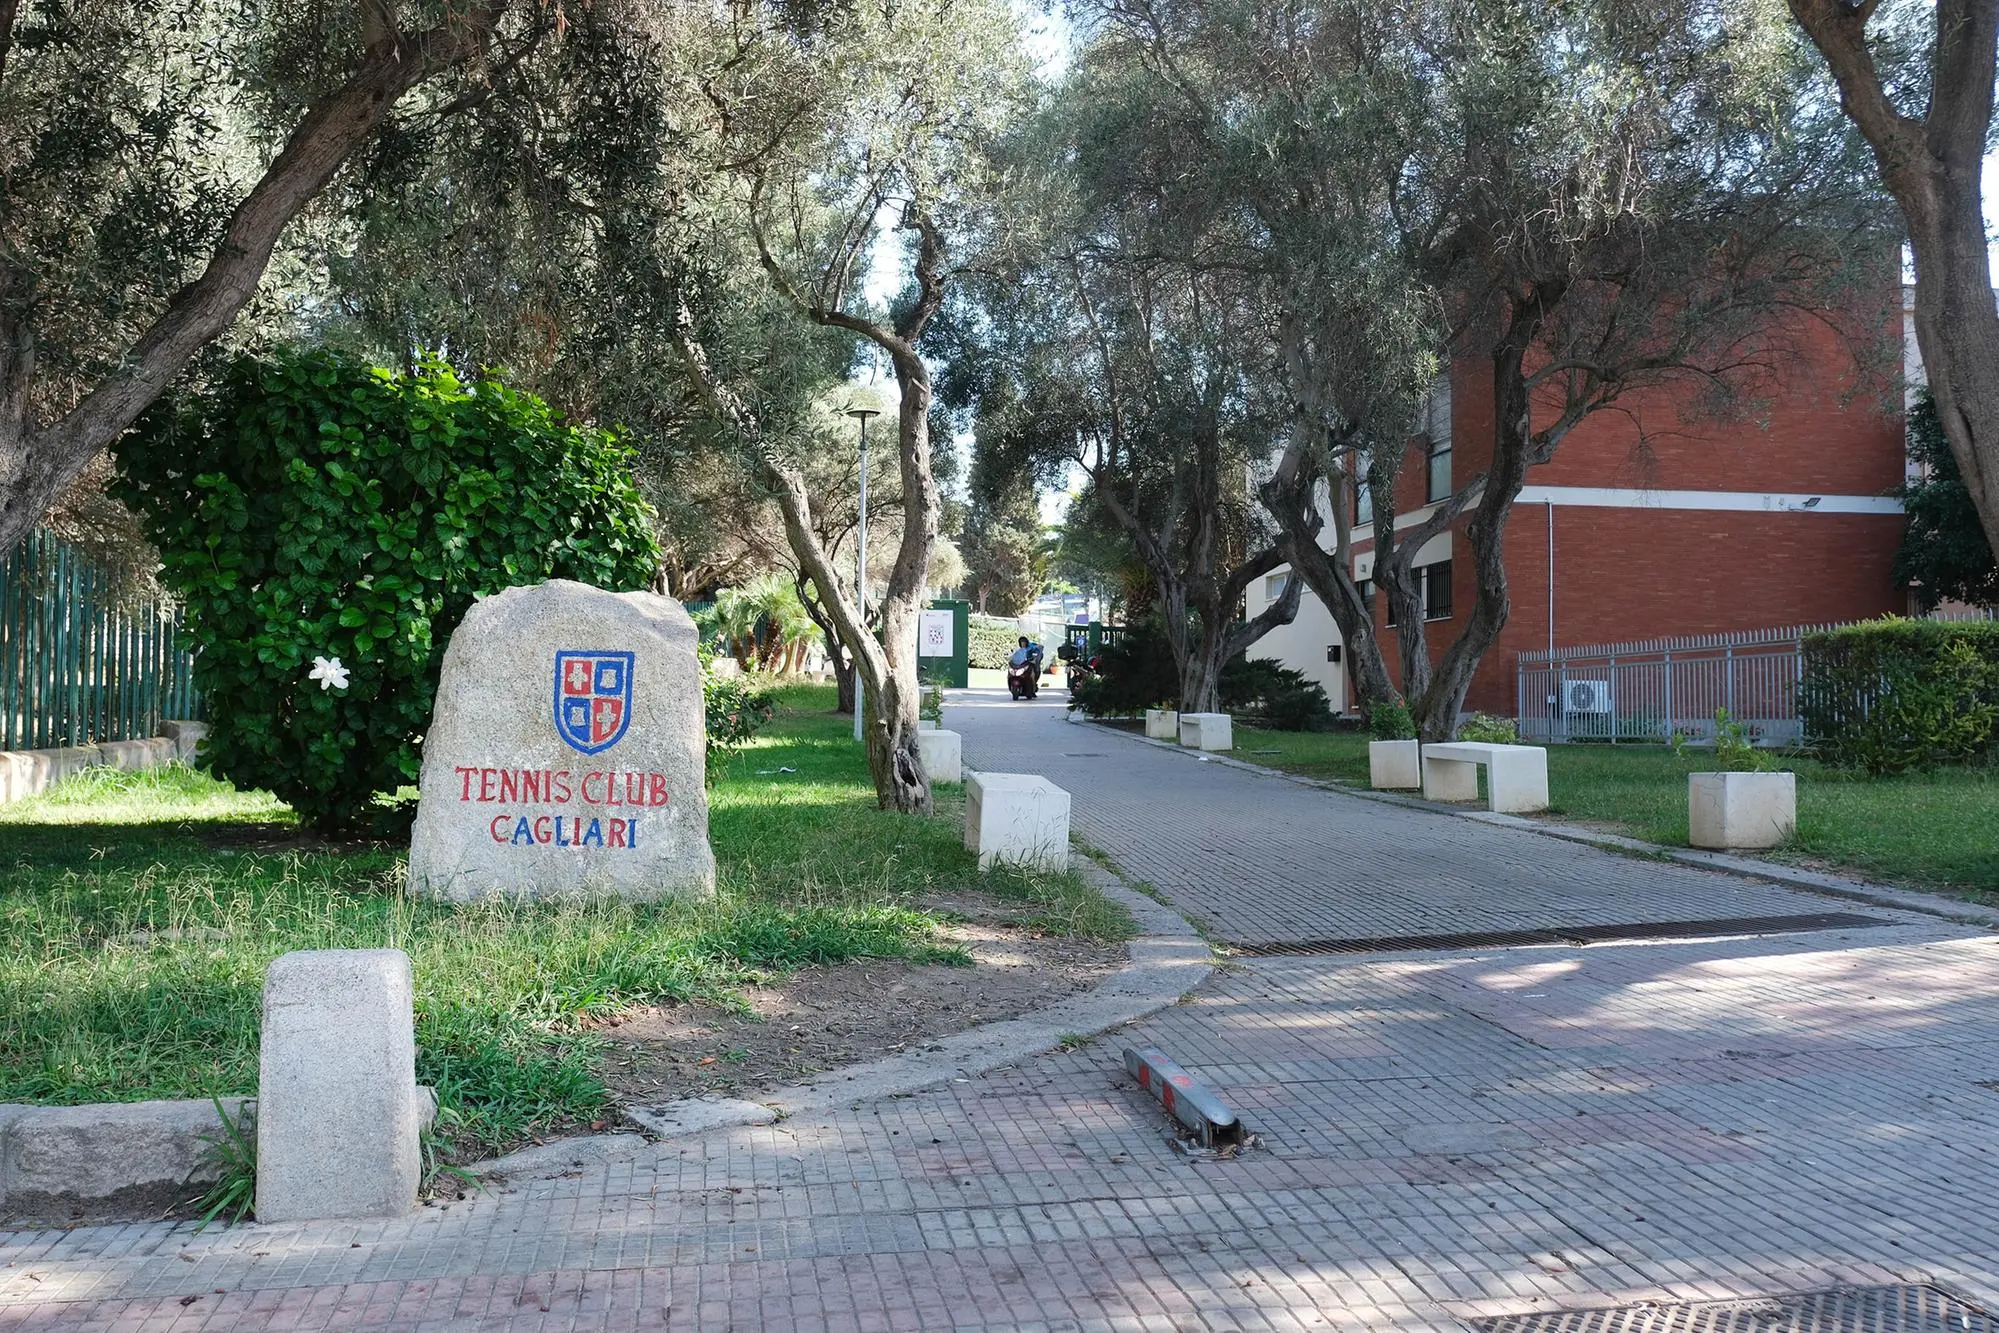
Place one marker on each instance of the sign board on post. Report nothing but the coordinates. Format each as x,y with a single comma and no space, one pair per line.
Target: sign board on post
944,642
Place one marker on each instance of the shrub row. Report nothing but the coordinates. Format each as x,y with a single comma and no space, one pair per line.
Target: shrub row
991,641
1895,694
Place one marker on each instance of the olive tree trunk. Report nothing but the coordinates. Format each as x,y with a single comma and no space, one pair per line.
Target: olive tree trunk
885,666
1289,495
1932,167
38,462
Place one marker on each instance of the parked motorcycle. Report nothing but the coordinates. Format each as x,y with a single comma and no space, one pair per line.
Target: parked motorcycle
1079,669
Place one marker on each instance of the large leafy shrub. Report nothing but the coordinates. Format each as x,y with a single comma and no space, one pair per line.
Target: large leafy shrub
310,505
1894,694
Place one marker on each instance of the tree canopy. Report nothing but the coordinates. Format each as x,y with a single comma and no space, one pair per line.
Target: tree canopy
1216,269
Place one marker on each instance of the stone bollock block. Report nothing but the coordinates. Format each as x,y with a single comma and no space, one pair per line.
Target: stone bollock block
943,755
1395,765
1207,731
1741,810
338,1112
1019,818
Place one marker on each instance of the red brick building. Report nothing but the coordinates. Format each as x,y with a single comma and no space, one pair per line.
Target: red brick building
1653,519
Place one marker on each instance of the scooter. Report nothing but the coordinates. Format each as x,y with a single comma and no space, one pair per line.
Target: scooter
1079,670
1024,681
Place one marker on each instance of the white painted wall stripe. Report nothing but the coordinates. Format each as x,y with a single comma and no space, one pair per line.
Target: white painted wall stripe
1612,497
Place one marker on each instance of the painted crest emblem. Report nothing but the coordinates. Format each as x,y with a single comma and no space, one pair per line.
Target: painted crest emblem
593,698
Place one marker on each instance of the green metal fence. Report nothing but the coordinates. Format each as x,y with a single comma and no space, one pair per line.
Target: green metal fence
77,664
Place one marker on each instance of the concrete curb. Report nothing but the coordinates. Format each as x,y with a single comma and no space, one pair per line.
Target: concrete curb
110,1160
1746,867
1168,959
58,1163
25,773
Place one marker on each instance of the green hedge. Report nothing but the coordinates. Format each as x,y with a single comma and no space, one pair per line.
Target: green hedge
1260,690
1894,694
992,641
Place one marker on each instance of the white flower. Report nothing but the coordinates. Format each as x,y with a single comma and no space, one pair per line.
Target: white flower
329,673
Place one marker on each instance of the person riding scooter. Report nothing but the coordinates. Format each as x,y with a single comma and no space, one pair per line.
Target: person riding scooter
1023,670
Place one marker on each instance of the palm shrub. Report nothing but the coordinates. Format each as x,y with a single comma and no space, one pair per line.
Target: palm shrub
308,505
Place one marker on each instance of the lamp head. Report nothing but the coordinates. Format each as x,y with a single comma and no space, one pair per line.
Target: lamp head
863,413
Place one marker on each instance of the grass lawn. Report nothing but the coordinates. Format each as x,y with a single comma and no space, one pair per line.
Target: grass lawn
1939,830
140,910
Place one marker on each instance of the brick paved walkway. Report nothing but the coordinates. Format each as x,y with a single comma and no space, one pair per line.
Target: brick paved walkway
1257,858
1445,1136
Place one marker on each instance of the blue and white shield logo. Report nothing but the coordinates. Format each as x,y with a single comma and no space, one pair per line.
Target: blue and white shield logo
593,698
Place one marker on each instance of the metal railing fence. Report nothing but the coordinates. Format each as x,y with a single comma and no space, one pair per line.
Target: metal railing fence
77,665
1647,690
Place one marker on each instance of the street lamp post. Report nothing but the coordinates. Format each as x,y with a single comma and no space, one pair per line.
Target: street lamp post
861,563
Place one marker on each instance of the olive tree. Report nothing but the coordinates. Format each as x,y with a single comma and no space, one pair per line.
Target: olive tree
139,209
1589,199
873,132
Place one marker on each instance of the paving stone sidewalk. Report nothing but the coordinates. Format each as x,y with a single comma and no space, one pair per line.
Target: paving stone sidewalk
1257,858
1446,1136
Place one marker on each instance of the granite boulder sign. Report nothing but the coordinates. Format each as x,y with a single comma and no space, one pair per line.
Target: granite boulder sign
567,751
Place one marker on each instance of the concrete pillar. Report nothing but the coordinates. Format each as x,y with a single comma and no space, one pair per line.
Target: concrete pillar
337,1107
943,755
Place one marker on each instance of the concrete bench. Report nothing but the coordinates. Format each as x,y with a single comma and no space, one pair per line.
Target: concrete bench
1207,731
1394,765
1019,818
1516,776
942,753
1162,724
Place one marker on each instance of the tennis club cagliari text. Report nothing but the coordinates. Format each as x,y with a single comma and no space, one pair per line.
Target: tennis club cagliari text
599,790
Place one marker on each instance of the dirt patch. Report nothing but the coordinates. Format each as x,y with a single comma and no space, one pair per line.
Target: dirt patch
821,1018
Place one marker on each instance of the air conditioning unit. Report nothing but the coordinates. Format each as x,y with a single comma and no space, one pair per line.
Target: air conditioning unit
1586,696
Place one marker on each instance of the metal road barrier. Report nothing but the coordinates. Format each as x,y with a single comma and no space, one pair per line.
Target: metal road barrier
1185,1097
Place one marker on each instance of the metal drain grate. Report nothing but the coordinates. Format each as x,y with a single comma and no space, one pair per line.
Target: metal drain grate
1913,1309
1508,939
